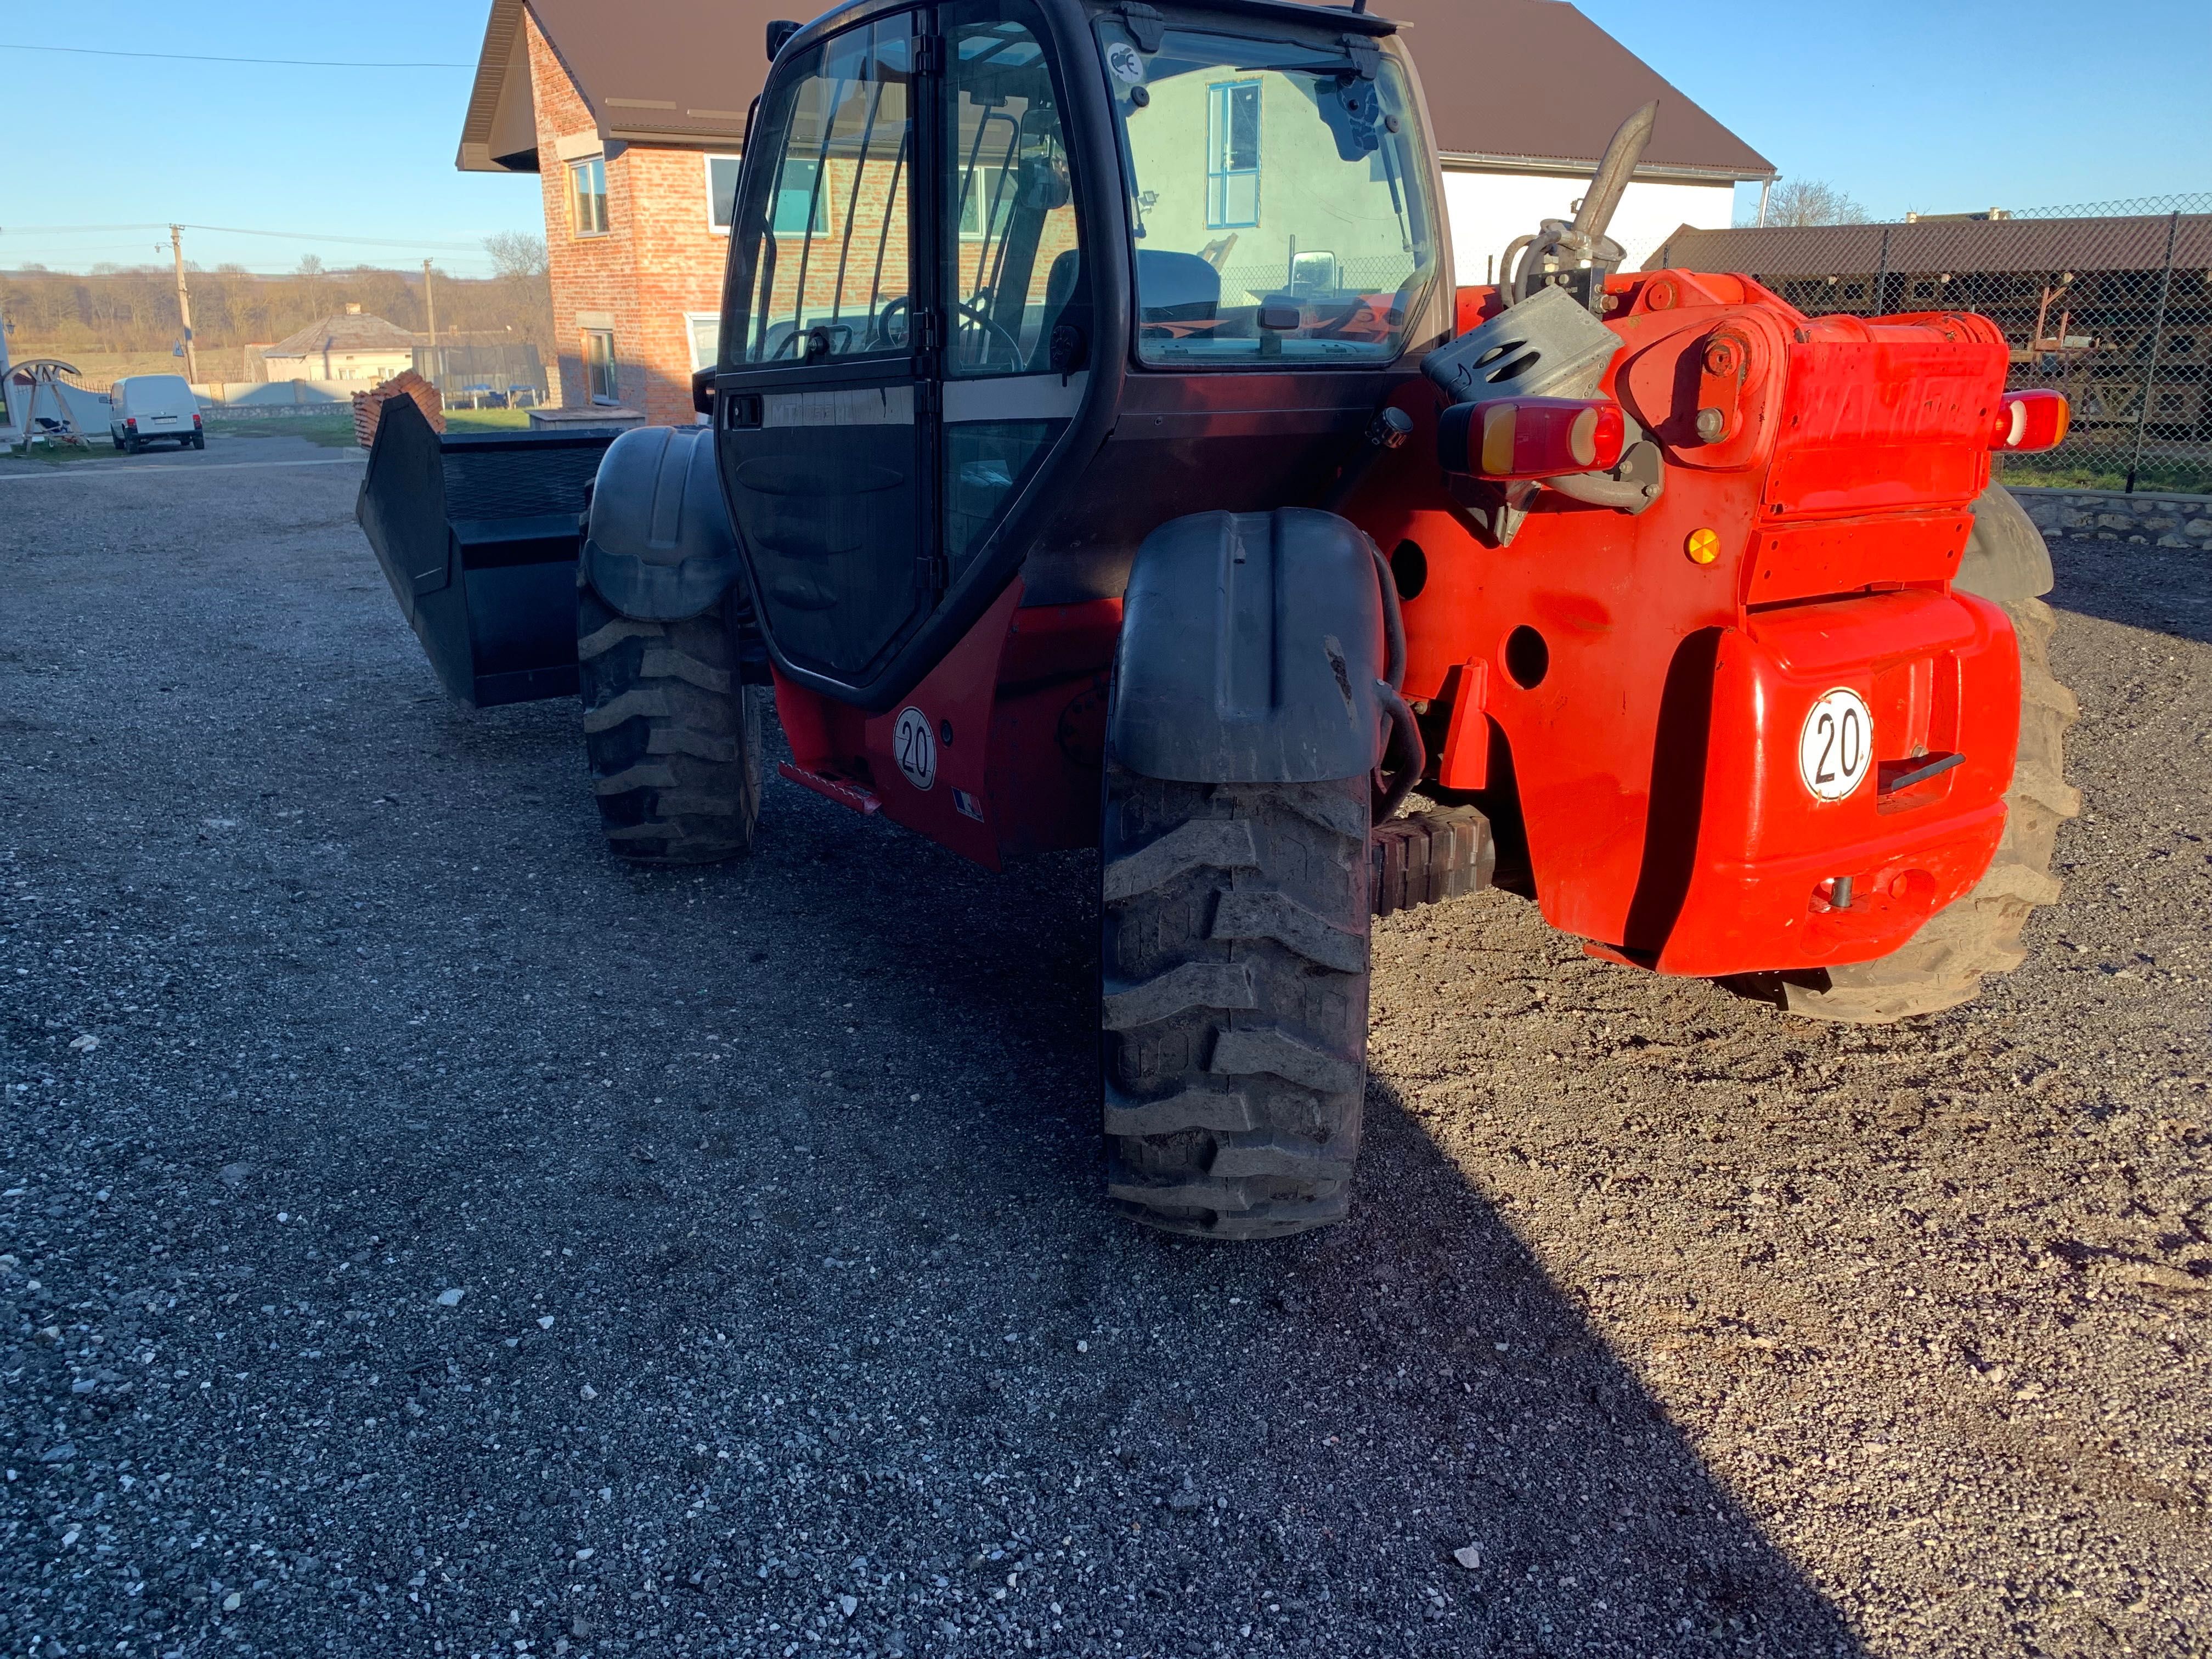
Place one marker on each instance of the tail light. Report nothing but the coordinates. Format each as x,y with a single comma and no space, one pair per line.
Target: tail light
195,419
131,422
1530,437
2031,421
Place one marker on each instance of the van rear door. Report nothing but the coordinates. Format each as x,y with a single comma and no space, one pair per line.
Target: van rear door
162,403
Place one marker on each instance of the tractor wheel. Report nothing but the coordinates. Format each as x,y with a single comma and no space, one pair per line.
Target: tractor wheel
1942,964
673,738
1234,1001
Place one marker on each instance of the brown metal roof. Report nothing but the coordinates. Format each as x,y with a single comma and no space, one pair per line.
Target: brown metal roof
1512,82
1516,84
1947,244
347,332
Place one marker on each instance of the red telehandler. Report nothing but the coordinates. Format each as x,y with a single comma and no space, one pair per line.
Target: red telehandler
1099,453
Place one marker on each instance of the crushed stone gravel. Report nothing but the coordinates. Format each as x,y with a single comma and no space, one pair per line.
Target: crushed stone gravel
456,1243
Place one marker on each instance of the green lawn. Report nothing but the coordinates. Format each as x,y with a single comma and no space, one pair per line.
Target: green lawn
2177,477
335,431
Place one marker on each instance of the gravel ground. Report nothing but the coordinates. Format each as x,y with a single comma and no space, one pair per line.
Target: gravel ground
425,1236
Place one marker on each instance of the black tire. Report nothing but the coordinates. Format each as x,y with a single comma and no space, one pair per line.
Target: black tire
1942,964
199,440
673,738
1233,1001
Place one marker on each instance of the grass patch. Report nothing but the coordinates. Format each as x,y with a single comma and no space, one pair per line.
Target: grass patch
487,420
2169,478
335,431
58,455
330,431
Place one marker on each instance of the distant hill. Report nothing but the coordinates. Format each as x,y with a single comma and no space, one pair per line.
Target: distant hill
111,313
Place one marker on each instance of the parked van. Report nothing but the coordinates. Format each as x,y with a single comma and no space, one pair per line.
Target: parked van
149,406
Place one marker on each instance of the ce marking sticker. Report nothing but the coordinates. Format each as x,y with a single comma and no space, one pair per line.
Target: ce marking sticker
1127,63
914,745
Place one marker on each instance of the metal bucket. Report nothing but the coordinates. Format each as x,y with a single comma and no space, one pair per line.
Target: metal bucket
477,535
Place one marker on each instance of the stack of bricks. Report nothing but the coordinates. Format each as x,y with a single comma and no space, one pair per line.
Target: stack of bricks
368,406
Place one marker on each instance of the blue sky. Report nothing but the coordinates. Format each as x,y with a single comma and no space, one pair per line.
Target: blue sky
1937,108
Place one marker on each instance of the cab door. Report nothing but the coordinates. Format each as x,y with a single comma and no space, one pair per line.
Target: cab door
825,400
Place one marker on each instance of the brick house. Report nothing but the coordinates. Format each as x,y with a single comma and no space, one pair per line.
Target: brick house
633,116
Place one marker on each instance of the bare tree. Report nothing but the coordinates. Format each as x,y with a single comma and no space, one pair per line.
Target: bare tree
1812,202
516,253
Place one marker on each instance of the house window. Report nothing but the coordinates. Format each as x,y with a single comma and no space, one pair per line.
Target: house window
721,193
1232,154
588,196
801,205
599,364
705,330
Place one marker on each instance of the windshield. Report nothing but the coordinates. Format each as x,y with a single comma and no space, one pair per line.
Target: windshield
1278,196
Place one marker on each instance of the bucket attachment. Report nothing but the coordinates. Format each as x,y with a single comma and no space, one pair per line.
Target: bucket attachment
477,535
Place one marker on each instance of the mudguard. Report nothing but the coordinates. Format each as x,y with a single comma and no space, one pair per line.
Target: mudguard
1251,647
2005,557
658,545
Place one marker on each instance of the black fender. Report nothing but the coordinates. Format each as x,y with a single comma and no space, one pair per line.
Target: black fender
1252,651
657,544
2005,557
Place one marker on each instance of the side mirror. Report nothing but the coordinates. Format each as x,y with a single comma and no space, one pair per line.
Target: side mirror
779,32
702,390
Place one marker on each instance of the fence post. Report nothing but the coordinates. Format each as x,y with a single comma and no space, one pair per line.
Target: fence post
2157,340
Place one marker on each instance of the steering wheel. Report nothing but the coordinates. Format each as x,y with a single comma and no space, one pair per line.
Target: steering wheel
880,335
976,315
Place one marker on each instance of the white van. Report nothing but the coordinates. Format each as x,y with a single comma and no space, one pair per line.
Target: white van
149,406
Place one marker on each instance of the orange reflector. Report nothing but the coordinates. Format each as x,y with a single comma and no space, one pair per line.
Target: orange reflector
1704,546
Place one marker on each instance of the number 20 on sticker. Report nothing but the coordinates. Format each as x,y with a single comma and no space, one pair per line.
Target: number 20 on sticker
1835,751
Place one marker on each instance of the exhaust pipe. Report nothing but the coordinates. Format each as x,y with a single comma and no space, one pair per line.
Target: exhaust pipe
1581,248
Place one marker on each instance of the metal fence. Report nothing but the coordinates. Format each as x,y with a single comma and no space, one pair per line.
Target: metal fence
472,376
2108,302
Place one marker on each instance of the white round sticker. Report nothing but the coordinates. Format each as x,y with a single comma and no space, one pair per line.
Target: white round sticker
1127,63
1835,751
914,745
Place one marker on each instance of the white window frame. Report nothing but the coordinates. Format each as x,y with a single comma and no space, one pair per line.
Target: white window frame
613,367
576,197
707,167
691,321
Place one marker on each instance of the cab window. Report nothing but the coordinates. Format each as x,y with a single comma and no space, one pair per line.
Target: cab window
1277,196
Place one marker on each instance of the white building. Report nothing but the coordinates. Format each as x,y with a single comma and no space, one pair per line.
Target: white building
351,346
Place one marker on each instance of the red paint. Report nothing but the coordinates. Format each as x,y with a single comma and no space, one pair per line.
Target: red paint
1656,756
1655,762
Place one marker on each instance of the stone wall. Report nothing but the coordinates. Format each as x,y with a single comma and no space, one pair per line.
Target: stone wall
2149,520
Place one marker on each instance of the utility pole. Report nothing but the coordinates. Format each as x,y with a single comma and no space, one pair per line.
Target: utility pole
430,306
184,302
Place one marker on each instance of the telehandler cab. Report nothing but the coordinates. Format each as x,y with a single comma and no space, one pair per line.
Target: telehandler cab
1072,478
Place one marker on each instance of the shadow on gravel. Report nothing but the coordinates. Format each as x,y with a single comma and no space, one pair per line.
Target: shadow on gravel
1362,1403
2164,589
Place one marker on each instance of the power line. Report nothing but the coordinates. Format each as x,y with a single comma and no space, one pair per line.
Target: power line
200,57
359,241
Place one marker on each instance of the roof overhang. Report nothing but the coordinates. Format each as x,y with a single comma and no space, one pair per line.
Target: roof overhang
499,134
1572,168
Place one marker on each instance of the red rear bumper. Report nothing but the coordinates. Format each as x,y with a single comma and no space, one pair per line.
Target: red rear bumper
1939,675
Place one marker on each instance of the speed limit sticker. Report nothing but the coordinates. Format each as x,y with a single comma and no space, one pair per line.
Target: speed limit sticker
914,745
1835,751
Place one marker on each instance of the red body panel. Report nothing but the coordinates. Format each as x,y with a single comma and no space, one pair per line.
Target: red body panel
1651,742
1024,696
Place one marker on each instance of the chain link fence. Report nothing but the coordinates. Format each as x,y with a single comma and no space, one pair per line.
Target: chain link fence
2108,302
